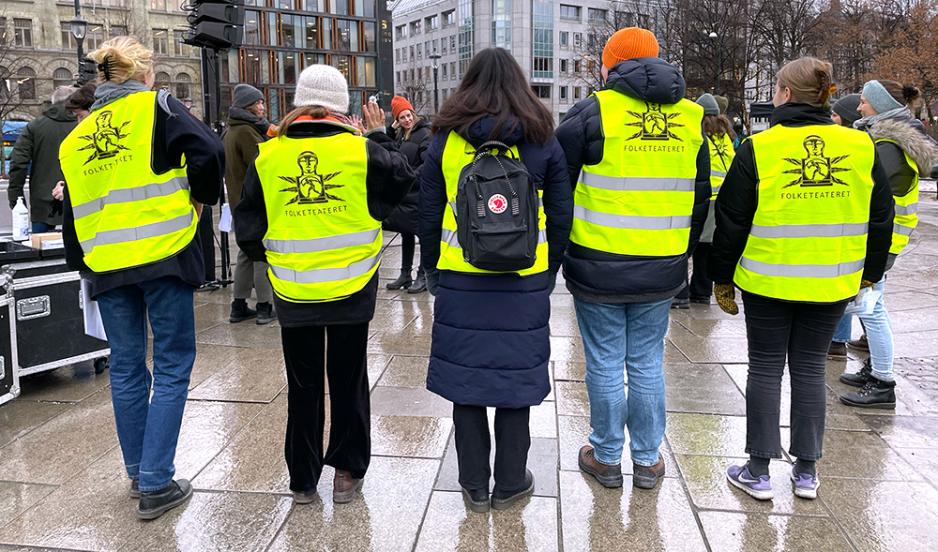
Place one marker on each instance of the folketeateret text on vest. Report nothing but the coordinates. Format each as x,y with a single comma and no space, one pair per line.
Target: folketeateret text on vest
829,194
105,167
316,211
651,148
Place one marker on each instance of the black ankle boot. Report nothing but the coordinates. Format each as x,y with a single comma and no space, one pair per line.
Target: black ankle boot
860,378
875,394
265,314
420,284
240,311
403,281
154,504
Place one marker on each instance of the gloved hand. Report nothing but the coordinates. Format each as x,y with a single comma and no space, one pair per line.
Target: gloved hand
552,274
726,298
866,284
433,280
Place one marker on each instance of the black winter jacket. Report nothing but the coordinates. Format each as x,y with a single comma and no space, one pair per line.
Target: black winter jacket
738,200
36,153
175,134
602,277
389,178
404,218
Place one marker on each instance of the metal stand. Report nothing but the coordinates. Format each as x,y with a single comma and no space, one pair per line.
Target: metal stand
211,99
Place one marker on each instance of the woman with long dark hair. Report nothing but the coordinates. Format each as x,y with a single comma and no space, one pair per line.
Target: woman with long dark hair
491,343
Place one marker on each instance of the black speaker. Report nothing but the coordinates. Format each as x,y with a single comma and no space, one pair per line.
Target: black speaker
216,24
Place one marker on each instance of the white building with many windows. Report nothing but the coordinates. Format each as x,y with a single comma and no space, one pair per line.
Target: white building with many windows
556,43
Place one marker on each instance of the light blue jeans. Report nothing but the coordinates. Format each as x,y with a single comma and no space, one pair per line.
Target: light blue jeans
878,334
619,339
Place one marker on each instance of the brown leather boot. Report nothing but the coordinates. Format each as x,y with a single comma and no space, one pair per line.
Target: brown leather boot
608,476
647,477
344,487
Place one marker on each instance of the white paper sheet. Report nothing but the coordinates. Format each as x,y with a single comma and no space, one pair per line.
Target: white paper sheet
93,324
224,223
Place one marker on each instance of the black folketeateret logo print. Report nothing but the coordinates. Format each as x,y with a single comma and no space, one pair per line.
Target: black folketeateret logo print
106,138
653,124
816,168
310,186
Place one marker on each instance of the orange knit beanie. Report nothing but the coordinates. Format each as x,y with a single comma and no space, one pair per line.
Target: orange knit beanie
399,104
629,43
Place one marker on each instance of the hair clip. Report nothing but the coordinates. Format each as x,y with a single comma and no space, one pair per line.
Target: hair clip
105,67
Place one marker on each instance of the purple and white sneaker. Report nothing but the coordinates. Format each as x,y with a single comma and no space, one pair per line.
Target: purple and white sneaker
759,488
805,485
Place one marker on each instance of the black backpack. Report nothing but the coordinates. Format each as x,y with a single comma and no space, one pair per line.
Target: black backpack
496,211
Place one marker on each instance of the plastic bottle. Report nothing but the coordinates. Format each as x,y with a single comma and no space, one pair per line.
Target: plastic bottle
21,225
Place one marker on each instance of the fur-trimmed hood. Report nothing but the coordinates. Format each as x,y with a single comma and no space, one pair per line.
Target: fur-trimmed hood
918,145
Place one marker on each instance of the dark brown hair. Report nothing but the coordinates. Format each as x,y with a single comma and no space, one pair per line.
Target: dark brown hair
904,94
81,98
718,125
494,85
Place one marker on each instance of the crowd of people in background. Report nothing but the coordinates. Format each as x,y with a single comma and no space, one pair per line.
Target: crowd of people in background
635,184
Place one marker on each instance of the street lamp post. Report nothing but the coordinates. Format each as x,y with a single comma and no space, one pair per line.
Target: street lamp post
436,88
78,27
713,47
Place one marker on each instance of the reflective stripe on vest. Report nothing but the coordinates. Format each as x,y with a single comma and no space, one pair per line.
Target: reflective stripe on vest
906,207
639,198
126,215
807,242
457,153
322,242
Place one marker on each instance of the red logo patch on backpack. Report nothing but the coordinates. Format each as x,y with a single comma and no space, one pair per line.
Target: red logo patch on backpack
498,203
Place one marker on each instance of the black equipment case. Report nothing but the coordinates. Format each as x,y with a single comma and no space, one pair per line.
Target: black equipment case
49,317
9,376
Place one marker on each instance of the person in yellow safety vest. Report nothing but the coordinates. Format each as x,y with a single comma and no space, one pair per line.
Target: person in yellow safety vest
720,136
311,208
638,159
138,168
803,220
906,152
491,333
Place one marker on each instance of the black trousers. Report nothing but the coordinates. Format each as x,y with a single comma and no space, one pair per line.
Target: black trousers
307,357
700,286
473,447
408,246
207,238
801,332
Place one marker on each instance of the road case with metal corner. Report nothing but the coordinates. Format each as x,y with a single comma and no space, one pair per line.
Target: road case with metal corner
9,375
49,318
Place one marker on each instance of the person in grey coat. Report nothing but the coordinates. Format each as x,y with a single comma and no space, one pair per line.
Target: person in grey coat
36,154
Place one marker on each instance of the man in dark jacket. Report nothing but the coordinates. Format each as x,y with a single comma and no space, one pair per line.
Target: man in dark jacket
642,174
36,153
247,128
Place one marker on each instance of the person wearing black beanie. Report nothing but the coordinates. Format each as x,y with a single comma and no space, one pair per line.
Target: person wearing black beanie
844,112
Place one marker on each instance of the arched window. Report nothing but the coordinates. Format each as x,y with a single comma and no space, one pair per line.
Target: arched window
61,77
26,83
183,80
162,81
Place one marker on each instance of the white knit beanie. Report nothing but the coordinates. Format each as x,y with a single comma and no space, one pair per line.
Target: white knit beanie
322,85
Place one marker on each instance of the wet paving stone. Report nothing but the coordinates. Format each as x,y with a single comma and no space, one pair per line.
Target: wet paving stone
574,433
16,498
252,375
708,435
65,384
542,461
738,532
406,371
409,436
21,416
702,388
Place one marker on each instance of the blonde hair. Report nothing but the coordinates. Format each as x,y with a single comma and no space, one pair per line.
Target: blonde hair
809,79
122,58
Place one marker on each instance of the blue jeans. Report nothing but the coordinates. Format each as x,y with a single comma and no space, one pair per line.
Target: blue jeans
618,339
40,227
878,334
148,427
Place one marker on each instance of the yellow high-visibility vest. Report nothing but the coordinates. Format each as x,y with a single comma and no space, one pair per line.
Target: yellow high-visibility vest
639,199
322,243
721,157
126,215
808,236
457,153
906,208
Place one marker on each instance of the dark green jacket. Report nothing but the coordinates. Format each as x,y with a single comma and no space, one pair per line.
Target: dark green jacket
241,140
36,154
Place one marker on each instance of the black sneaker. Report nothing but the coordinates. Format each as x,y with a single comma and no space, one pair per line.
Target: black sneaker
403,281
240,311
837,351
265,314
154,504
477,500
682,304
502,501
860,344
875,394
858,379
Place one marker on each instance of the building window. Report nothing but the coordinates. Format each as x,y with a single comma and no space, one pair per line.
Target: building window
564,39
400,32
501,23
577,66
339,7
179,47
183,88
570,13
342,63
449,18
23,33
272,34
404,54
542,46
577,40
61,77
284,4
594,14
286,67
3,31
308,5
312,32
162,81
365,8
118,30
541,90
94,37
563,94
347,35
419,51
26,83
564,66
577,93
252,31
445,73
160,41
431,23
452,44
68,41
371,34
158,5
443,45
452,70
415,28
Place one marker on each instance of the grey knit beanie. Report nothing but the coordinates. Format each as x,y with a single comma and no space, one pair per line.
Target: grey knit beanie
246,95
846,107
322,85
709,103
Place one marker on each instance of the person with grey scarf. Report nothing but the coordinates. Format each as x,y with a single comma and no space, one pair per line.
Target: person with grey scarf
247,128
905,152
